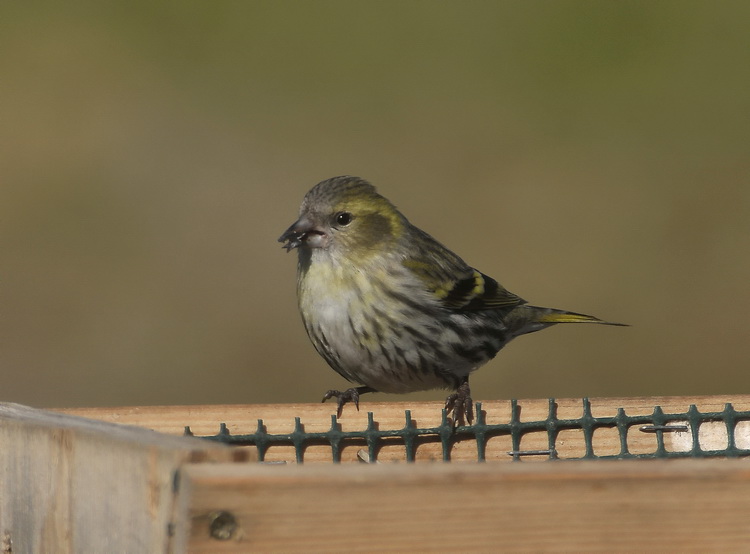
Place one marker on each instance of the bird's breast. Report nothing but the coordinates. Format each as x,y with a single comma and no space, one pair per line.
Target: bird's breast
378,326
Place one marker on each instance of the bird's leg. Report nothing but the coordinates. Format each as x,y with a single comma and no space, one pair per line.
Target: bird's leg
349,395
461,404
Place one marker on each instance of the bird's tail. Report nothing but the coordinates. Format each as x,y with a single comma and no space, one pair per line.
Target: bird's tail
549,316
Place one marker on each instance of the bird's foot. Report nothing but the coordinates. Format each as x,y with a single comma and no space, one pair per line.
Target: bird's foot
460,406
349,395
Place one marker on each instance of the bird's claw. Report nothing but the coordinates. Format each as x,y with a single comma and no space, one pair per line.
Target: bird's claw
460,406
349,395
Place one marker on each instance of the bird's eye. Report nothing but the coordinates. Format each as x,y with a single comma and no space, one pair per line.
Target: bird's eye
344,218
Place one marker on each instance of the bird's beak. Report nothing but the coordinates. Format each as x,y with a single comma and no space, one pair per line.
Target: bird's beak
302,231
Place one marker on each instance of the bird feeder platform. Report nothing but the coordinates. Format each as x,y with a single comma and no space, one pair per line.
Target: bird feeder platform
633,474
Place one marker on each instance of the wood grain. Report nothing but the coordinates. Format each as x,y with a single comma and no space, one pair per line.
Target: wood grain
70,485
583,506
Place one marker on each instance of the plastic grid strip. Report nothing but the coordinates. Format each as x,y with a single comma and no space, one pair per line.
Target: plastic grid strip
410,436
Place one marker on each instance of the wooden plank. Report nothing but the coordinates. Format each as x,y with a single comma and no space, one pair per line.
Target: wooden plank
279,419
73,485
581,506
68,484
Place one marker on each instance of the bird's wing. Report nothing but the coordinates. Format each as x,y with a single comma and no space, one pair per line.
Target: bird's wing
476,291
455,284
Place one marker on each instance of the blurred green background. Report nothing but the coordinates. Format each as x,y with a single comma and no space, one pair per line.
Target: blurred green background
592,156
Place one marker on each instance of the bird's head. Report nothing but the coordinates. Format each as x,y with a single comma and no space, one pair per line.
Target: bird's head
346,217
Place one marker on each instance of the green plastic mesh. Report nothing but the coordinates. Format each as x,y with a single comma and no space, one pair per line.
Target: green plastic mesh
410,436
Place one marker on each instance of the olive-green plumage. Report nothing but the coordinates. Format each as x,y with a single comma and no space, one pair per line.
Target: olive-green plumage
391,308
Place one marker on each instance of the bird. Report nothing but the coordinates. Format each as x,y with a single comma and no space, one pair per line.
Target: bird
390,308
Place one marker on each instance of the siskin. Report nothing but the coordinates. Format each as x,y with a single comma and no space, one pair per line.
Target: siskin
391,308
